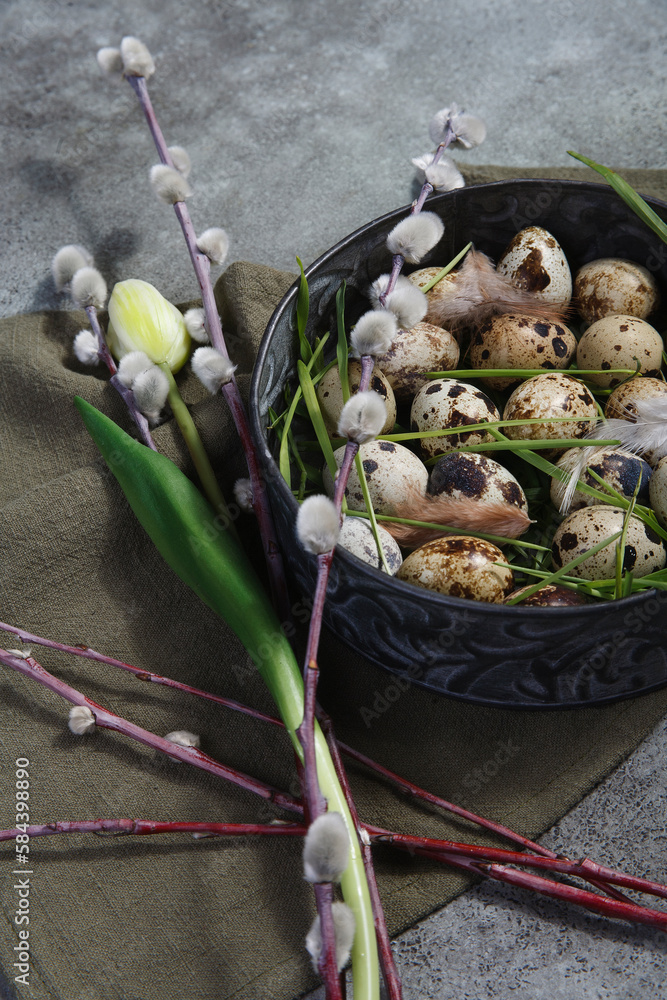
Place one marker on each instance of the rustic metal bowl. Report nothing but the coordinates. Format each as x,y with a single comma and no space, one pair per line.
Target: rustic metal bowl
492,654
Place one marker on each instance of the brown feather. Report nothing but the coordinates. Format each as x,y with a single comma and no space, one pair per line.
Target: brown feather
494,517
479,292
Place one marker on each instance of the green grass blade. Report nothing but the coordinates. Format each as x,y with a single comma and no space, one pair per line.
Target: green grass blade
564,571
445,270
371,512
342,351
315,414
302,308
628,194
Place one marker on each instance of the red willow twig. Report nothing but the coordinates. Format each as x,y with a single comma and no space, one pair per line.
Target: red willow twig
108,720
202,269
149,827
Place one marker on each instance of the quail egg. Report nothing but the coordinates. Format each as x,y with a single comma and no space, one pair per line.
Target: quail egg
330,395
423,348
644,552
658,491
620,469
466,474
443,289
610,286
622,400
511,341
619,341
356,536
552,395
535,262
461,567
391,471
552,595
451,403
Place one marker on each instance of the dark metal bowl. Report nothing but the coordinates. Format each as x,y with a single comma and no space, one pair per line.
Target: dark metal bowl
491,654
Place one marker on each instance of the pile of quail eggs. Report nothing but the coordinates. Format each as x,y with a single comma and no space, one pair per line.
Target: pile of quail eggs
610,300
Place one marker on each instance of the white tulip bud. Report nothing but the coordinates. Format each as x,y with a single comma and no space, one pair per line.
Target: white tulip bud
141,319
81,720
89,288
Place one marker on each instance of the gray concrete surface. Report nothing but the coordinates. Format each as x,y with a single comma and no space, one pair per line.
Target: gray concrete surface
301,119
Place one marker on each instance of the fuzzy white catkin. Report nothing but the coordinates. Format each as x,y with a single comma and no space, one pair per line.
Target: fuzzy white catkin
243,494
168,184
183,738
195,325
215,244
408,308
180,159
469,131
67,261
326,849
81,720
373,333
344,927
86,347
212,368
89,288
318,524
137,60
413,237
110,61
443,175
363,417
131,365
151,388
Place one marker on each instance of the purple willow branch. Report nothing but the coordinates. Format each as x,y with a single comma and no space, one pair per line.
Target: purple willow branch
327,965
107,720
202,269
583,869
140,674
126,394
392,981
149,827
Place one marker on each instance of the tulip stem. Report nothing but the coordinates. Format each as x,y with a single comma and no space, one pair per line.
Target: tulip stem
197,451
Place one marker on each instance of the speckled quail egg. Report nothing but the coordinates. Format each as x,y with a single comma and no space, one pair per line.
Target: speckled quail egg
461,567
467,474
552,395
423,348
622,404
585,528
658,491
391,471
512,341
552,595
610,286
535,262
443,289
330,395
356,536
619,341
451,403
620,469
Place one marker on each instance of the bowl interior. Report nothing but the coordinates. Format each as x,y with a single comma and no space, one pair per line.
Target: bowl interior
492,654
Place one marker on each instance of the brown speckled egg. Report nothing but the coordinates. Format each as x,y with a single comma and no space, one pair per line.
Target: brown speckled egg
619,341
330,395
535,262
356,536
461,567
622,404
552,395
610,286
520,342
644,552
451,403
550,596
658,491
620,469
467,474
390,470
423,348
443,289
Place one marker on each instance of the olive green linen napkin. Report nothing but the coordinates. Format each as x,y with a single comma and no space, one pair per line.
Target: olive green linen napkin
214,919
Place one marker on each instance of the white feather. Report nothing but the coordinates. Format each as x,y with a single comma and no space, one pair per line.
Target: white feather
363,417
318,524
414,236
647,432
574,462
373,333
344,927
326,849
